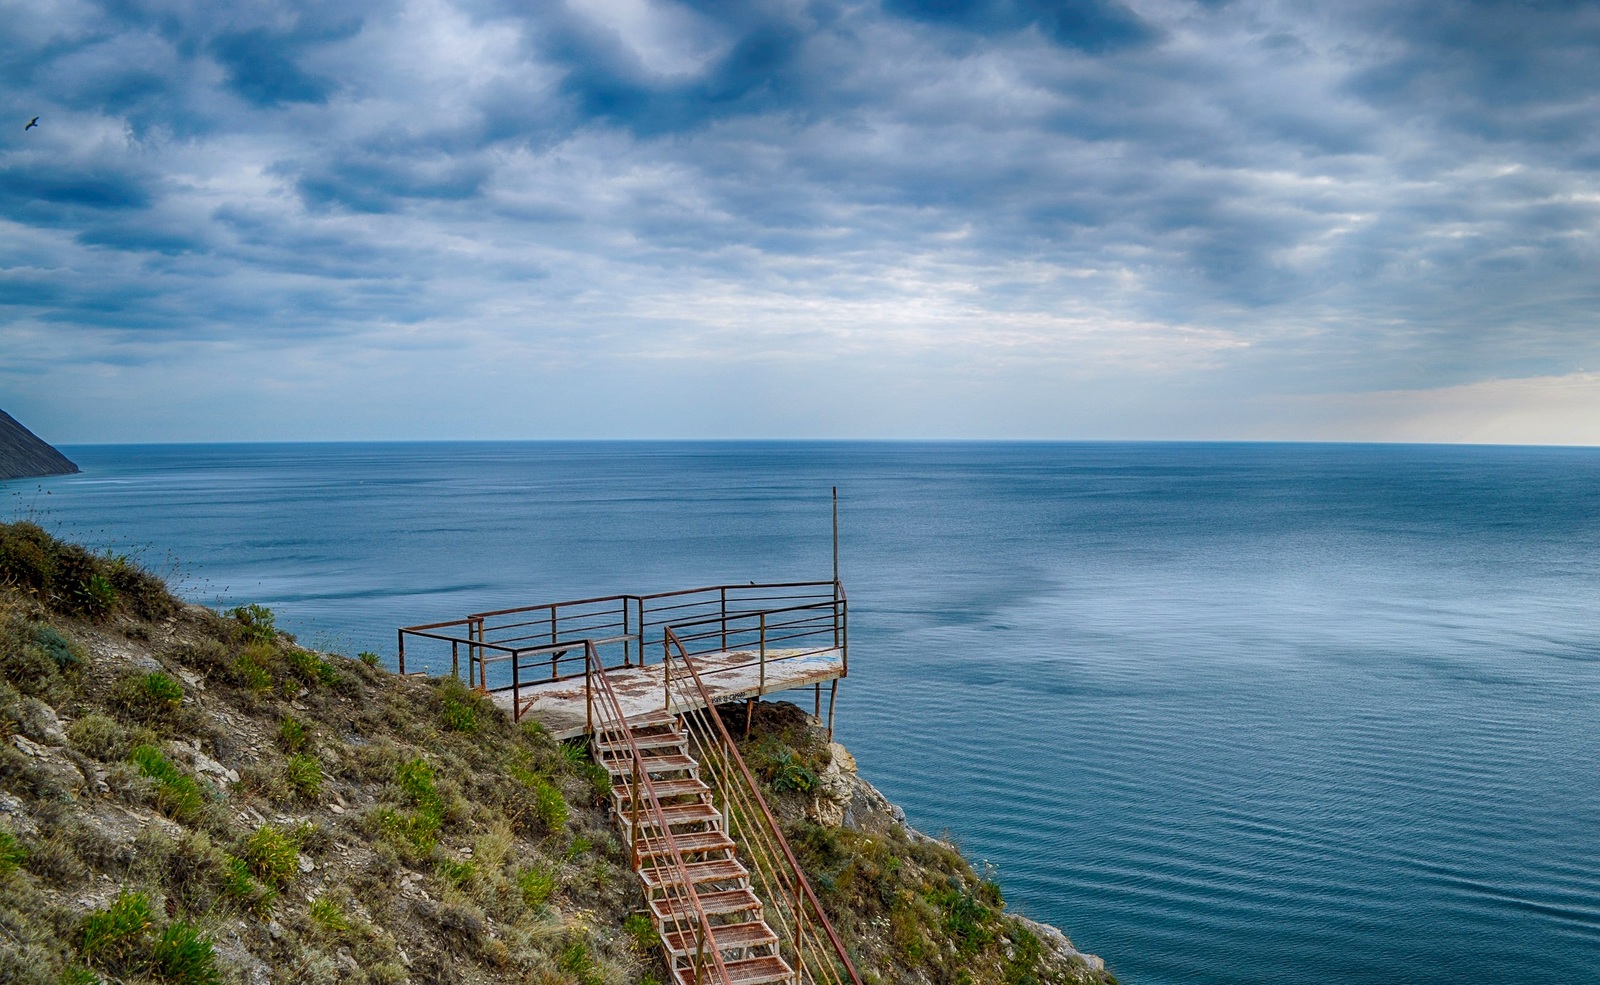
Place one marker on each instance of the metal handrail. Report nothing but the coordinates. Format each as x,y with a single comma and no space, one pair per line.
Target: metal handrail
595,671
773,833
637,620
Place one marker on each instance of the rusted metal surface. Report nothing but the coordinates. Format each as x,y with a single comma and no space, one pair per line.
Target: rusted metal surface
749,640
562,706
668,869
813,946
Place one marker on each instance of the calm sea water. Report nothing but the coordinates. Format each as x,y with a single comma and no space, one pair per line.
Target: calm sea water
1225,713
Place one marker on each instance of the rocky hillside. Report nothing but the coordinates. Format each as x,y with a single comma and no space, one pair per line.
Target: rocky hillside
188,797
24,456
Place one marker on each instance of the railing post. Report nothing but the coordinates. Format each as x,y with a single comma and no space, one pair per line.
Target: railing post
588,686
627,644
402,653
475,655
666,673
516,688
763,685
724,591
799,920
636,789
455,660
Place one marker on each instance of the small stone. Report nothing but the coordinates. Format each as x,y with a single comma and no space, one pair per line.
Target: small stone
306,865
335,808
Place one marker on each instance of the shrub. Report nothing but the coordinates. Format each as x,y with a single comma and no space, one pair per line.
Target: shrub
144,593
255,622
537,884
57,647
304,773
99,737
787,773
311,668
272,856
153,698
368,657
112,937
252,668
643,932
330,915
417,827
244,891
12,852
182,956
456,873
96,596
459,708
293,735
177,794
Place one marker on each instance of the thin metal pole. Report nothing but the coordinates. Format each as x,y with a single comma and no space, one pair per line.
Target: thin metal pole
724,591
455,660
836,541
627,643
763,685
833,696
402,653
817,704
516,688
588,686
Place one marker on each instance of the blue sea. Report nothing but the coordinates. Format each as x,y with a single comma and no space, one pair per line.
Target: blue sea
1226,713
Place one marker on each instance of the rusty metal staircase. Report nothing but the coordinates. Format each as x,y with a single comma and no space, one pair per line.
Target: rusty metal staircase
709,895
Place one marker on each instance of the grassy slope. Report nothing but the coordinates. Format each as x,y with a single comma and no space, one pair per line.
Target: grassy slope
190,797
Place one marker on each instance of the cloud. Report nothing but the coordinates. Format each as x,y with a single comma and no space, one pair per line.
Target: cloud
1028,207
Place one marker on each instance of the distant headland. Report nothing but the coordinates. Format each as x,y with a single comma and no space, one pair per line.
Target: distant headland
24,455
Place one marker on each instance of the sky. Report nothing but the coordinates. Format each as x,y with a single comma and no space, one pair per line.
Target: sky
1089,219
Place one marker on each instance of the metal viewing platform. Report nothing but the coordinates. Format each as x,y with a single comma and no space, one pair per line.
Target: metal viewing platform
744,641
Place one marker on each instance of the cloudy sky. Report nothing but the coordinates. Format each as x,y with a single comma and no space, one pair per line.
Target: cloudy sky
800,218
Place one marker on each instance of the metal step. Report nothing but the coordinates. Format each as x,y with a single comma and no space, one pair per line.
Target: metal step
654,765
726,937
718,904
751,971
713,870
646,743
675,814
677,787
690,842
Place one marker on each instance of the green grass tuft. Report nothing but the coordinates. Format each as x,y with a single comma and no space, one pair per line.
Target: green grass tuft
112,937
304,773
293,735
255,622
643,932
272,856
182,956
177,795
536,884
12,852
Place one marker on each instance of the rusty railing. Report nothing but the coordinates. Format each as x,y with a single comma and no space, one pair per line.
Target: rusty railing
507,650
673,875
807,938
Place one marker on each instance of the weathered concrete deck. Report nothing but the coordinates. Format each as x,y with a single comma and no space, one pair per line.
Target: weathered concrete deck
561,706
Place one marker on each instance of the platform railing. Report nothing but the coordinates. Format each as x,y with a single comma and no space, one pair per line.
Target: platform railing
807,939
671,874
505,649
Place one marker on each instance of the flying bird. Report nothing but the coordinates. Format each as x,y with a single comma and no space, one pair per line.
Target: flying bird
31,124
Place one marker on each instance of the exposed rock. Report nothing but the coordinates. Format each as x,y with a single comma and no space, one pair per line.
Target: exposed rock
24,455
1056,941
